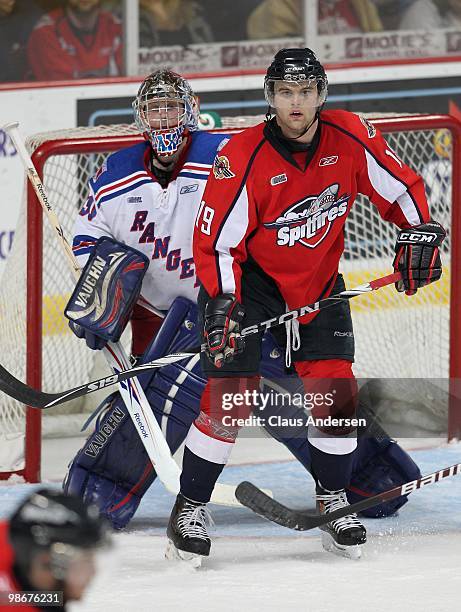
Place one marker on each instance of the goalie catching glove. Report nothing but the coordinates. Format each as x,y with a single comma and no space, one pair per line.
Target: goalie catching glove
223,315
106,292
417,256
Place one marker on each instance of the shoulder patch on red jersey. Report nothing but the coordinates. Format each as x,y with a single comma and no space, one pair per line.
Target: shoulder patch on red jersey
221,168
371,130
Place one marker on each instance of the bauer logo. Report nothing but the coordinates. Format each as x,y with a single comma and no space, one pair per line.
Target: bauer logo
309,221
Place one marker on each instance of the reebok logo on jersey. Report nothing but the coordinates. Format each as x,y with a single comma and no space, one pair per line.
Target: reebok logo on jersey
189,188
328,161
280,178
221,168
309,221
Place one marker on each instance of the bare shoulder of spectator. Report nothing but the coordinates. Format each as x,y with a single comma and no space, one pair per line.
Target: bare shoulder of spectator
275,18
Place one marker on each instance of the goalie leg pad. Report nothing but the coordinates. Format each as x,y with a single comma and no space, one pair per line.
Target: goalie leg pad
380,465
379,462
112,469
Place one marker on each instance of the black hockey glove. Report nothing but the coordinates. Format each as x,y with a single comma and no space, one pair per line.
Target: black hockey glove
417,256
223,315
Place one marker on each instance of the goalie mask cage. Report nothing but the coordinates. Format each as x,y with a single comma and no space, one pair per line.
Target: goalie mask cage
397,337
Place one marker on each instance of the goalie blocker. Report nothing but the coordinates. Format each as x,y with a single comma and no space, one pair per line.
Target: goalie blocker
106,292
113,470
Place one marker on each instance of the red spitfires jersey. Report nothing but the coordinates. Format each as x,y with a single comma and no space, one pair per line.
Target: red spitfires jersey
8,582
259,204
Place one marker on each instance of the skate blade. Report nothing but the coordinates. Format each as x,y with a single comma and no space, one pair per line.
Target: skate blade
190,559
350,552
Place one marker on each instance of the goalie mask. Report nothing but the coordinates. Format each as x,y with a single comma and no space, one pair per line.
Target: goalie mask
302,71
163,109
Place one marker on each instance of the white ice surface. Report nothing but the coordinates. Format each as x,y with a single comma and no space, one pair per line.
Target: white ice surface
411,562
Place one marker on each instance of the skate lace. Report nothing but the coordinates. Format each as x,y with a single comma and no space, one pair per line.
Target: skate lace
192,521
335,501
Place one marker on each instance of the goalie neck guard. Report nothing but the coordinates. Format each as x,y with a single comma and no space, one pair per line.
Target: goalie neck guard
164,108
296,66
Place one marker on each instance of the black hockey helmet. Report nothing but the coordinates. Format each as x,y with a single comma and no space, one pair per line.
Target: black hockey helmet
296,66
49,517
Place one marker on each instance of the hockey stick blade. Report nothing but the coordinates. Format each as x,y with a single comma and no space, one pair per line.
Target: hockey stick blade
253,498
40,399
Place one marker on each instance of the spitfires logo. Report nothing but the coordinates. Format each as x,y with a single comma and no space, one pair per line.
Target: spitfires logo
309,221
221,168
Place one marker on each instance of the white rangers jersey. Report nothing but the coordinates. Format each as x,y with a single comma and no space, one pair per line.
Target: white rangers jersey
127,202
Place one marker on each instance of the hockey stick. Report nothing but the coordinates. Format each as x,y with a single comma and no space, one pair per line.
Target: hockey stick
132,393
250,496
40,399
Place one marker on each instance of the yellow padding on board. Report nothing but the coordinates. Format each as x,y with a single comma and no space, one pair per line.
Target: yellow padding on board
54,321
437,293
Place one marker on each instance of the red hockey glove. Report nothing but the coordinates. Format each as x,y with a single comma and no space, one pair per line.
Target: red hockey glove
223,315
417,256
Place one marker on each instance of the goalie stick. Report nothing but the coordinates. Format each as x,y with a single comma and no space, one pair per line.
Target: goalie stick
255,499
40,399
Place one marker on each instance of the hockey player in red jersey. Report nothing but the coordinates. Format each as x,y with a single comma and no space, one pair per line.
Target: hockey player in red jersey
49,544
269,237
76,41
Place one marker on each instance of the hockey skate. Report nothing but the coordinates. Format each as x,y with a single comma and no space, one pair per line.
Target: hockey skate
343,536
188,539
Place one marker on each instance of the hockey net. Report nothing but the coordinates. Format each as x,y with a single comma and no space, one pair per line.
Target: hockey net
396,337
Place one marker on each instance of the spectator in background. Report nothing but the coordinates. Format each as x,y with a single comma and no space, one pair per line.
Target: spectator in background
391,11
228,19
77,41
50,544
172,22
279,18
432,14
17,19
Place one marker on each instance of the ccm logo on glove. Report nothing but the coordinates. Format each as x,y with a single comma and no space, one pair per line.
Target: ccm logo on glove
416,238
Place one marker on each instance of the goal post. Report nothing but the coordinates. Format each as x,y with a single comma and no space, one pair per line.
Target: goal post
39,349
